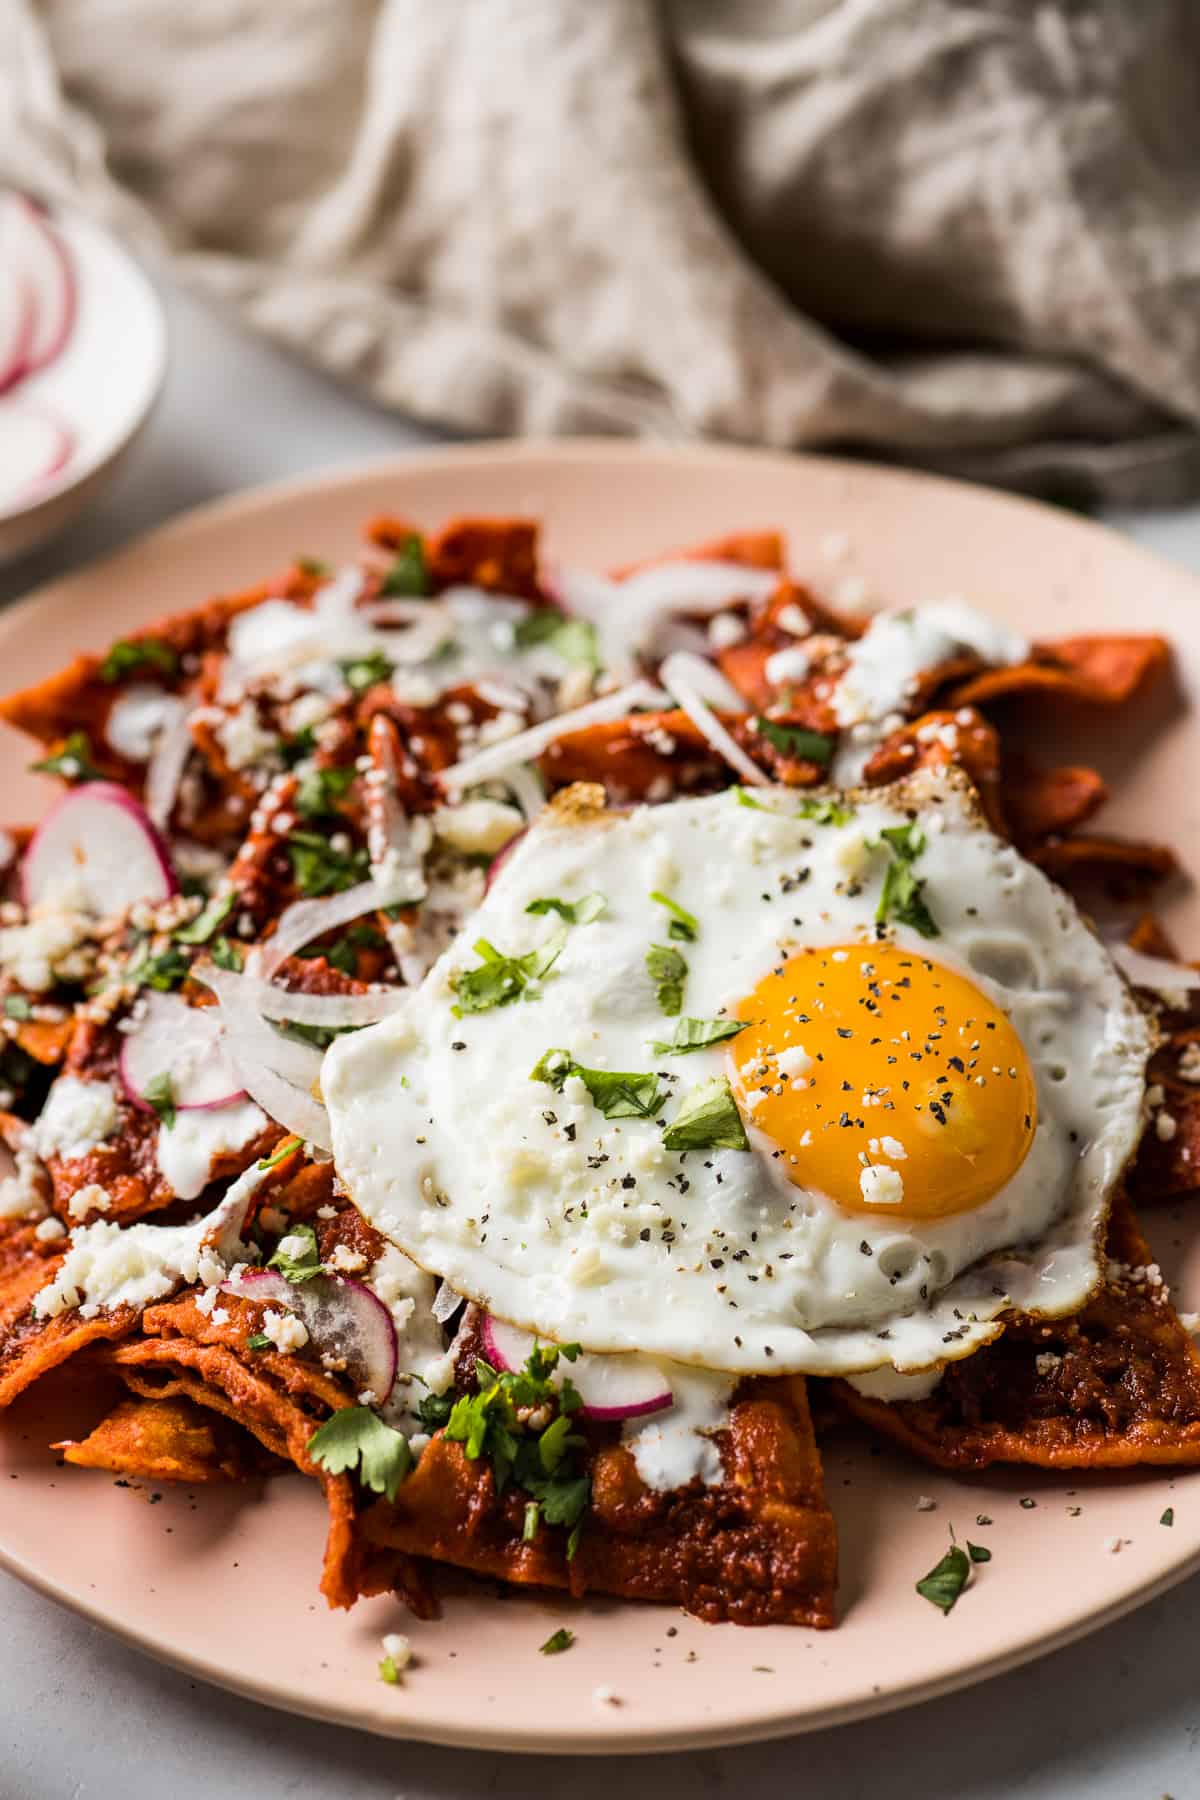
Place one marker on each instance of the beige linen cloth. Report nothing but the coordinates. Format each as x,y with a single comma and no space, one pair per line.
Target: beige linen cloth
964,235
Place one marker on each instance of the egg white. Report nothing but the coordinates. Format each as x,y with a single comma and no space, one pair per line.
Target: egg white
496,1183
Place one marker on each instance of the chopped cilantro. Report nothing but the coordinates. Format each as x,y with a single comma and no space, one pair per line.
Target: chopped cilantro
744,798
17,1006
388,1671
295,749
529,1529
17,1068
793,740
72,760
826,812
320,869
434,1410
978,1552
684,926
668,971
557,1642
314,565
207,922
708,1119
162,972
1168,1518
616,1095
697,1034
342,954
297,1262
572,639
288,1148
902,898
575,912
946,1580
408,574
491,1423
160,1094
362,672
355,1438
500,979
260,1341
320,790
129,655
227,955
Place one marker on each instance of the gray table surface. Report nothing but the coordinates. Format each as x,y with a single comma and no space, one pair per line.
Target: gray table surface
83,1718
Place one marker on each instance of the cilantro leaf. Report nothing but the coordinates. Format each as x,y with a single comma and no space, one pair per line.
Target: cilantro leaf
320,869
901,897
744,798
162,972
72,760
320,790
207,922
389,1671
793,740
684,926
17,1006
297,1257
826,812
697,1034
160,1094
946,1580
408,574
313,565
434,1410
575,912
708,1119
571,638
356,1439
500,979
227,955
978,1552
363,672
128,655
296,748
616,1095
342,954
557,1642
1168,1517
668,971
260,1341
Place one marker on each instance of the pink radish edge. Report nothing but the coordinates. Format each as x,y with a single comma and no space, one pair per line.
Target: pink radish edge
42,449
501,857
14,356
634,1409
380,1350
36,220
109,794
134,1097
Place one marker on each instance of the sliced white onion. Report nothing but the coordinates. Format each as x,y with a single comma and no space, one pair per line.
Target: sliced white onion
445,1303
422,640
1157,973
678,675
394,612
305,920
394,843
335,1010
164,772
628,614
527,789
278,1072
498,759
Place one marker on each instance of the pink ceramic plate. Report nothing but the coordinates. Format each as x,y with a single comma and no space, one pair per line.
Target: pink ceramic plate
224,1583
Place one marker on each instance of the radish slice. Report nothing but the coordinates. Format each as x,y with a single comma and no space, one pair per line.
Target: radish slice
611,1387
16,327
33,448
30,244
501,857
97,850
184,1042
343,1318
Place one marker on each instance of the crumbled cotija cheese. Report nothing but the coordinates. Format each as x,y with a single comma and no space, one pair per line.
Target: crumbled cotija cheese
285,1331
77,1117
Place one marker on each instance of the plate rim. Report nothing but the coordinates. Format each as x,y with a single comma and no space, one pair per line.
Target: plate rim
627,1736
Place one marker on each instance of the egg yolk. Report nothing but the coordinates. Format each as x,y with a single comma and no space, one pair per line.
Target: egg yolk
885,1081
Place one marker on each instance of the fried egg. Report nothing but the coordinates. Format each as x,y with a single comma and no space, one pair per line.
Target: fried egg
762,1083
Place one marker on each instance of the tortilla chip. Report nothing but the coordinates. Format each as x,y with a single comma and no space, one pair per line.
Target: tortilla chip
1044,803
1149,935
936,740
759,1549
1101,671
1121,867
1115,1387
753,549
639,758
497,554
162,1440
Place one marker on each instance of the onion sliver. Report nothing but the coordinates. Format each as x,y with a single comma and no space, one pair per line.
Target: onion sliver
185,1043
527,746
1157,973
305,920
334,1010
164,771
342,1316
611,1387
277,1072
680,675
